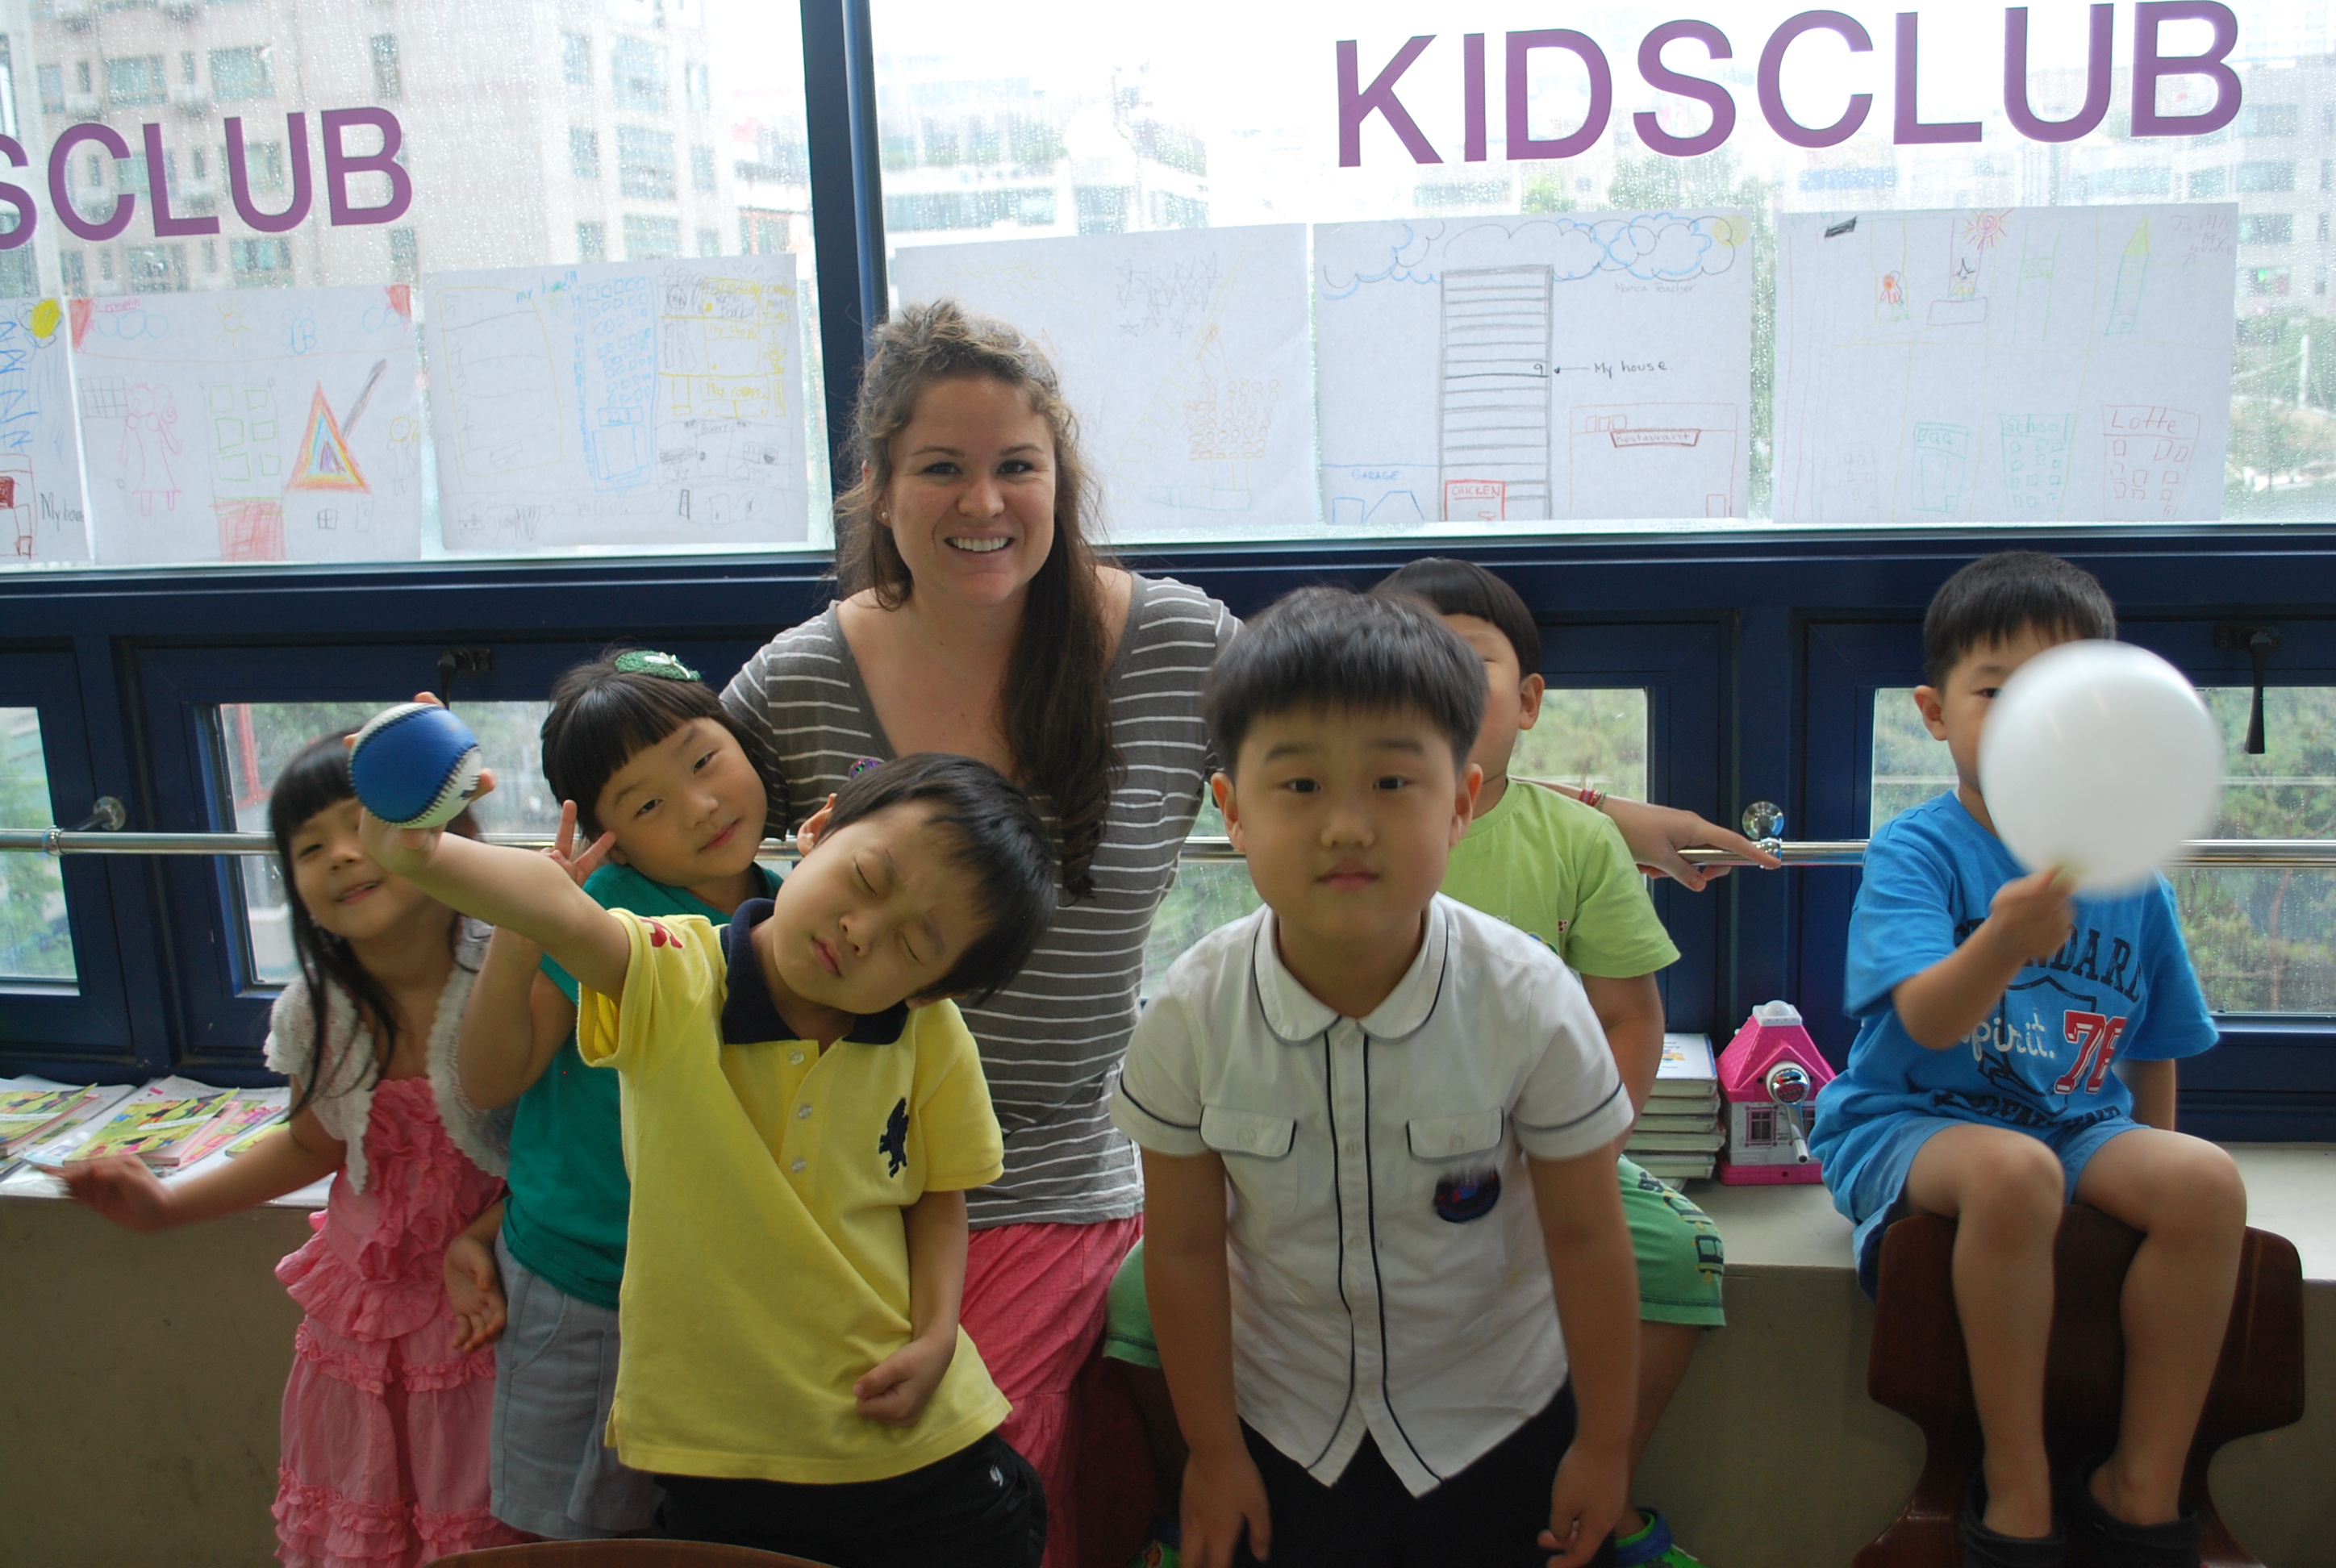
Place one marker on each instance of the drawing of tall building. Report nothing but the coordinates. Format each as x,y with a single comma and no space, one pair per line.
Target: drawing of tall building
1492,410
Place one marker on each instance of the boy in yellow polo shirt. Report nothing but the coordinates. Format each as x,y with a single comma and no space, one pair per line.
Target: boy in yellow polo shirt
804,1112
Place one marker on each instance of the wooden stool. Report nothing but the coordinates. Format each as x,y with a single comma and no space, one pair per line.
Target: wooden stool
622,1554
1918,1368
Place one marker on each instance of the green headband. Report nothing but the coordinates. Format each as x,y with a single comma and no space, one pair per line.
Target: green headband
663,665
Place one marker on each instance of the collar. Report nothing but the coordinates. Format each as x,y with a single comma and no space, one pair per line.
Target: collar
749,1016
1296,1015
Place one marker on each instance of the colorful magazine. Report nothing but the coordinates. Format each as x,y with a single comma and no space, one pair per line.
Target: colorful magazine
242,1123
26,1115
155,1130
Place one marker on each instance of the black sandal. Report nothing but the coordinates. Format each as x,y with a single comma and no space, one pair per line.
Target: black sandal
2117,1545
1983,1548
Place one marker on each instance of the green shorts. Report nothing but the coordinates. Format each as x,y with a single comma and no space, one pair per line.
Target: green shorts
1681,1265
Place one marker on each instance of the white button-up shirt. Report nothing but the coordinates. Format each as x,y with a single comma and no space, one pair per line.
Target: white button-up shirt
1387,1269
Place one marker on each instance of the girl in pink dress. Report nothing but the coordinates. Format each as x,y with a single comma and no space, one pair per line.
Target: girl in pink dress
385,1417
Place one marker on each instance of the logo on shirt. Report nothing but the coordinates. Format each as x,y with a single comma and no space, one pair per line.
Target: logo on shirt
1467,1195
893,1143
659,937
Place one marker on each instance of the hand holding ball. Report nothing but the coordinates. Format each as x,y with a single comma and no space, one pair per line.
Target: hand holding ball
2100,757
415,765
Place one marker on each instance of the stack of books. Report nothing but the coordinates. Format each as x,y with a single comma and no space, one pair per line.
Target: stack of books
242,1122
1677,1136
36,1111
159,1128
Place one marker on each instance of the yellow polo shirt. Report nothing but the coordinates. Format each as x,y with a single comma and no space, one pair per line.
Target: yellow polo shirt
768,1266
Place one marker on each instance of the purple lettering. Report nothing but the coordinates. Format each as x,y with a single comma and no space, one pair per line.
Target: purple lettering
17,197
238,177
2148,65
339,164
1472,97
2016,107
1772,65
1910,131
1356,105
1663,79
60,163
158,191
1522,144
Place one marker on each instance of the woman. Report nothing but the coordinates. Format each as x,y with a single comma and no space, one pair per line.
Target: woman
978,619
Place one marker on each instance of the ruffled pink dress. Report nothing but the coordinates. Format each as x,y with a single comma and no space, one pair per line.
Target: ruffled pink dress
385,1461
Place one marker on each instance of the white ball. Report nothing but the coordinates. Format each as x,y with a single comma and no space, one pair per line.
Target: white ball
2100,757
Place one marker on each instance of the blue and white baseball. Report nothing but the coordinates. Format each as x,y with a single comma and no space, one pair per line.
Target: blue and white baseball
415,765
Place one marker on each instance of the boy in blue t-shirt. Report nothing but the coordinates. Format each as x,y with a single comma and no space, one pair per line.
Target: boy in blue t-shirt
1993,1005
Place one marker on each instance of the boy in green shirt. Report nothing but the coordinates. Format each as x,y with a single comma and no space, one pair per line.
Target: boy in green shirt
1558,869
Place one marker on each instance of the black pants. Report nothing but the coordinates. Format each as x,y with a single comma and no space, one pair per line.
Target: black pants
981,1508
1490,1515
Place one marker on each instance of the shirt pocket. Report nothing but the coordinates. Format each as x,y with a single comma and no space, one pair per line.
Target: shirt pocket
1437,1139
1256,1147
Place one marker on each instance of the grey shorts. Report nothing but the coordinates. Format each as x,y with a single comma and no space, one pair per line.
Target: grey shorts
555,1375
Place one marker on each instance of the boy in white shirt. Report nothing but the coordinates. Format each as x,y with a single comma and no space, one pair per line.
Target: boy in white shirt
1414,1111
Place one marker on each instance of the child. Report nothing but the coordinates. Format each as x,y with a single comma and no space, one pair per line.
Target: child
803,1110
1979,1086
1558,869
651,765
1413,1112
386,1416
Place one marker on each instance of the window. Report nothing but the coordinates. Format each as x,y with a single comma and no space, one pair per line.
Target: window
2263,942
651,238
137,80
1102,209
20,274
404,255
699,87
239,75
2257,119
762,233
2323,228
388,86
2268,229
584,154
576,59
2264,175
53,88
2208,184
158,269
263,165
2132,179
637,75
2265,282
8,124
34,943
261,263
257,739
70,265
1172,210
645,165
709,242
701,170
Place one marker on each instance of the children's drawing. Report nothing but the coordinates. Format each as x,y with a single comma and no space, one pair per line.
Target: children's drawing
2015,364
653,404
1491,370
249,432
1185,354
41,515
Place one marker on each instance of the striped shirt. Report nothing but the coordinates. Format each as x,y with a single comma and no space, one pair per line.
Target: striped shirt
1052,1041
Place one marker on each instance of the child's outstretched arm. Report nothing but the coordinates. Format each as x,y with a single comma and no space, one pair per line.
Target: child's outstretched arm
516,1018
2031,918
124,1191
896,1389
1597,1286
1193,1318
508,888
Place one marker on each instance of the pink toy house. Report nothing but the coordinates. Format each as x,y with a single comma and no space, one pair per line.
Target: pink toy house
1770,1074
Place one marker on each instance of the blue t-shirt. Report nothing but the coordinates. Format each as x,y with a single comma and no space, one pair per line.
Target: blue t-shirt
2040,1062
570,1202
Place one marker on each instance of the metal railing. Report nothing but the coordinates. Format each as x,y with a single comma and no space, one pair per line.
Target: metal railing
2249,854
